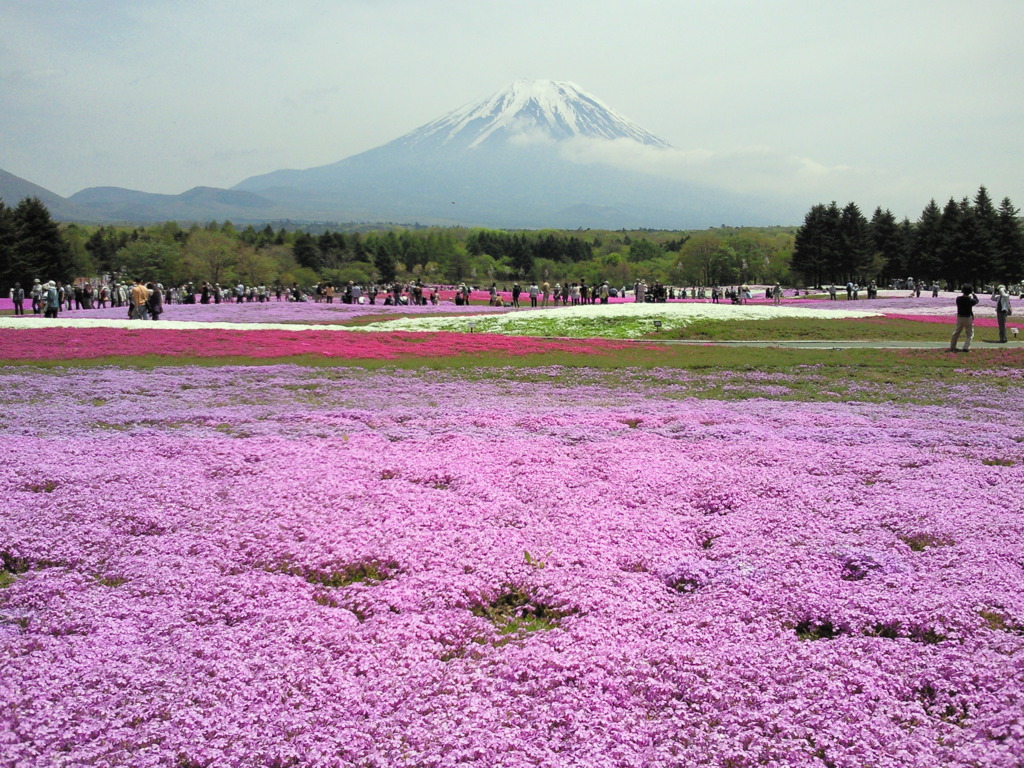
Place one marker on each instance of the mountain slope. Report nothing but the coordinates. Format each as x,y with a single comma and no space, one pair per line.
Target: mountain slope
197,204
14,189
505,161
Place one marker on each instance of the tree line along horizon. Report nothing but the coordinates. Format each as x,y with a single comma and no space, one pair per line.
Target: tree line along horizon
969,240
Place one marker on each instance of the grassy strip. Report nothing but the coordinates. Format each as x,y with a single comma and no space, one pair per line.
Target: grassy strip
810,329
690,328
922,377
640,356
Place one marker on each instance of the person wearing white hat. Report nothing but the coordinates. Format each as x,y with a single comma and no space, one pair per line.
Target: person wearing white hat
51,299
36,294
1002,300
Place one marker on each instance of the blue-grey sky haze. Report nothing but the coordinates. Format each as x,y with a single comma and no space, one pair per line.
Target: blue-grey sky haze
883,103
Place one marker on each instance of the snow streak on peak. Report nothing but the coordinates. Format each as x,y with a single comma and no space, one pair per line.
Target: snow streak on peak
561,110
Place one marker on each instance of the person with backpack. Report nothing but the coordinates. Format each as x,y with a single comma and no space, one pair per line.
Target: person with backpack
51,300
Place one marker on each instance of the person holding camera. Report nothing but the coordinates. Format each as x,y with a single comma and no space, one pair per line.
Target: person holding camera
1002,300
964,318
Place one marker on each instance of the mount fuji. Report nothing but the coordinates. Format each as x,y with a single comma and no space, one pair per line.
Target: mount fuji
530,156
538,154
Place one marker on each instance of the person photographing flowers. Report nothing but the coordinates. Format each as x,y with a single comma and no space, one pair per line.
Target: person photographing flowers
964,317
1002,300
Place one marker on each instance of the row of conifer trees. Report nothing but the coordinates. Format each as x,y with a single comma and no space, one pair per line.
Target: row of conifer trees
968,240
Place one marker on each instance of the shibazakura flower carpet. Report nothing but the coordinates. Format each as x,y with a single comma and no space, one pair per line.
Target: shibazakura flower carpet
41,342
282,566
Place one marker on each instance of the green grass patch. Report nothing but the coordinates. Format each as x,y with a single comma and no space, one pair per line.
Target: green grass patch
810,329
362,320
998,462
999,622
912,376
921,541
363,571
517,610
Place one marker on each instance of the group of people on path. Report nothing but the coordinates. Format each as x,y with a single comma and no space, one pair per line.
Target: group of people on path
965,304
570,294
144,302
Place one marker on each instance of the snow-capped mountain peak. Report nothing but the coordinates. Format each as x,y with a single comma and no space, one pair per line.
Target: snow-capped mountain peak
561,110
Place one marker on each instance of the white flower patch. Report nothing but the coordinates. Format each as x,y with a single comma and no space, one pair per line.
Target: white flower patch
611,320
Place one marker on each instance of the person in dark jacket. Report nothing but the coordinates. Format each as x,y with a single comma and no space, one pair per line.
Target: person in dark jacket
964,318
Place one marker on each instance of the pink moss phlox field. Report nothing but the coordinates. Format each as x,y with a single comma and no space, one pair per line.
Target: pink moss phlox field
275,565
65,343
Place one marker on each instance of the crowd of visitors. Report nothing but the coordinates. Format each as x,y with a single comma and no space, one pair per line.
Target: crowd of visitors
146,301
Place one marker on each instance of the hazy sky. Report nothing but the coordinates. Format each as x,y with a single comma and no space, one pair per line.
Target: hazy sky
884,103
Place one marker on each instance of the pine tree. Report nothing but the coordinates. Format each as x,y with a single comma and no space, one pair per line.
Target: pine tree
983,244
38,248
907,238
1008,244
384,261
949,228
854,252
888,243
306,252
7,278
926,252
522,257
815,245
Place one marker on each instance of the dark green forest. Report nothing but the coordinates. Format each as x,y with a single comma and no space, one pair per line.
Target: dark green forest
967,240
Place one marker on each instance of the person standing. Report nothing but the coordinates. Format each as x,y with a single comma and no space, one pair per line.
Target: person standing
51,300
18,299
155,302
37,297
1002,300
964,318
516,290
139,297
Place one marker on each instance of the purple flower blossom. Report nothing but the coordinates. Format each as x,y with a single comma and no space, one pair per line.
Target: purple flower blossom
325,567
